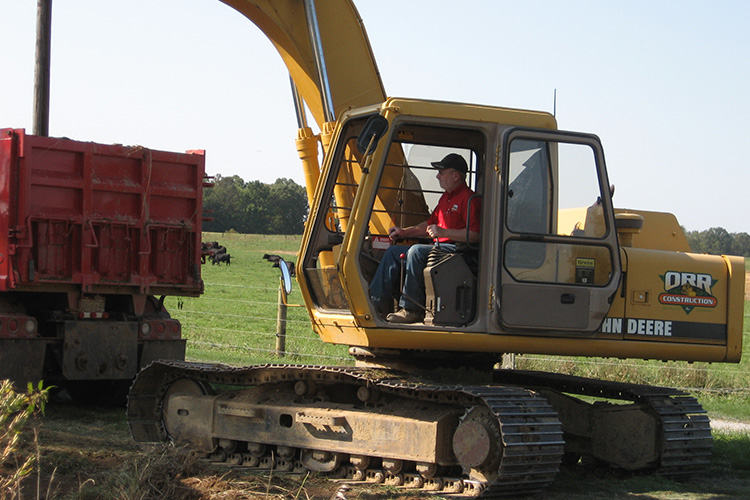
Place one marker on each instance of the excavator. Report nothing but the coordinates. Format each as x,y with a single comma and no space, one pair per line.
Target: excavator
557,271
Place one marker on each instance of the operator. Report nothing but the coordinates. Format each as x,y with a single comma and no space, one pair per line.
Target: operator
446,226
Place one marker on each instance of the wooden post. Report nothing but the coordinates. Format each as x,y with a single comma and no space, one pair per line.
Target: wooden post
509,361
42,67
281,322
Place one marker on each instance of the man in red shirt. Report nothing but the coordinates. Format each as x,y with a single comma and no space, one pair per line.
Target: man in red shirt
446,226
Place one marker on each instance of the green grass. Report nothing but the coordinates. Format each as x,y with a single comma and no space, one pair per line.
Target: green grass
234,322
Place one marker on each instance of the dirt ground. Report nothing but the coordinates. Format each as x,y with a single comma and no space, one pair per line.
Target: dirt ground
87,453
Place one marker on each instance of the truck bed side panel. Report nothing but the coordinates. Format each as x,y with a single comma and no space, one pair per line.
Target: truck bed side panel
92,215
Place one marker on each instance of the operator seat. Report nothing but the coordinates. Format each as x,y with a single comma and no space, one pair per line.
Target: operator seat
450,289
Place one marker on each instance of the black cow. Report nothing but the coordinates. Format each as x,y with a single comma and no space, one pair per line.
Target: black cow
221,257
209,249
275,259
290,266
272,258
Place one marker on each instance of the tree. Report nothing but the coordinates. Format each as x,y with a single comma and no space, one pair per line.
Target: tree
290,207
222,202
718,241
255,207
741,244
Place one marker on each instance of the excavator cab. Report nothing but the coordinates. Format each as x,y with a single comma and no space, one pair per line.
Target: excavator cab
529,273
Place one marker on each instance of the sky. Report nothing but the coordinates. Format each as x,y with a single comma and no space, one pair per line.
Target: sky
665,85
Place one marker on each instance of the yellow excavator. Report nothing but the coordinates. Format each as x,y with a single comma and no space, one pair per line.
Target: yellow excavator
558,271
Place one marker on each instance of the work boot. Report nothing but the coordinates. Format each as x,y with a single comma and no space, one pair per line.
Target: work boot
404,316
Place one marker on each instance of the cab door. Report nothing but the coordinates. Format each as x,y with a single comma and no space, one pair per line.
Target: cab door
560,263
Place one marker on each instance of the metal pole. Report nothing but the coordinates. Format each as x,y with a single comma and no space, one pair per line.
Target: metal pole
281,322
320,60
42,67
299,106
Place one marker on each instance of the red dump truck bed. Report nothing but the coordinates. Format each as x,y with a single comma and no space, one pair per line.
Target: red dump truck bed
98,218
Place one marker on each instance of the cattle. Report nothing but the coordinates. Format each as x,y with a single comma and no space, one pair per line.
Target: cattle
276,259
221,257
290,266
272,258
209,250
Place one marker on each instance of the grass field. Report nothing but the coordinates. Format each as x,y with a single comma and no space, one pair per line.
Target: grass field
234,322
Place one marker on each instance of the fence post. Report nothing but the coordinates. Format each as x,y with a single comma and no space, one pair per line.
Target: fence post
281,322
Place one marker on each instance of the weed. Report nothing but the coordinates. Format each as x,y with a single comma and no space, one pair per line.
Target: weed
18,413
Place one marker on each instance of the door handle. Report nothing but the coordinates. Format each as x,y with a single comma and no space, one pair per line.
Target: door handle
567,298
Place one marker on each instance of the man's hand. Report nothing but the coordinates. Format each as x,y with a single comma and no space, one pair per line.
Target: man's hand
435,231
418,231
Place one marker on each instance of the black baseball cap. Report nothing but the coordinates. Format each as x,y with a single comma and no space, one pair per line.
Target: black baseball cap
454,161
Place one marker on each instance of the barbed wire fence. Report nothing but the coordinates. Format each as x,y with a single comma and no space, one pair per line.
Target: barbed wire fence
302,333
261,317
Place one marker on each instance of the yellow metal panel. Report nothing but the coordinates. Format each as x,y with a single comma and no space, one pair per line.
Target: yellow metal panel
571,345
471,112
736,307
660,231
678,286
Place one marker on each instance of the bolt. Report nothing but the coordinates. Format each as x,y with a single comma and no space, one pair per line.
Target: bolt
81,362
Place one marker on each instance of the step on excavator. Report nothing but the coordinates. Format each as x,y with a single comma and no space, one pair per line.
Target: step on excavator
557,271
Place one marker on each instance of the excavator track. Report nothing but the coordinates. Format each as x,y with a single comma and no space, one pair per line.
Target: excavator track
506,440
684,436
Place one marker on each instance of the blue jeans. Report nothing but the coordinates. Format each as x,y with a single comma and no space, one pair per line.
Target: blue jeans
388,275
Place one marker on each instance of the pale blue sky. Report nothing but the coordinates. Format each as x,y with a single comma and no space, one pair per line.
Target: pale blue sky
665,85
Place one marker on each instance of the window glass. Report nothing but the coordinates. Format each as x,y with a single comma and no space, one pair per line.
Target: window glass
408,190
578,191
554,191
332,220
561,263
528,196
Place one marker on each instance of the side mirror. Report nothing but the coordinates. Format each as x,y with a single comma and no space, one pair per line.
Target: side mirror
285,276
373,130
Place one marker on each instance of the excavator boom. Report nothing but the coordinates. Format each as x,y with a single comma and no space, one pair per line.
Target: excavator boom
344,53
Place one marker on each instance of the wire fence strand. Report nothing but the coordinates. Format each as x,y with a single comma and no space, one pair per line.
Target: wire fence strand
192,324
266,351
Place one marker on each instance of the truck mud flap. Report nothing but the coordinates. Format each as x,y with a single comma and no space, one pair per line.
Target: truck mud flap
22,360
162,349
100,350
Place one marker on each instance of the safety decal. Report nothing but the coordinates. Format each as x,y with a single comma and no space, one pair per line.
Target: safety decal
688,290
585,270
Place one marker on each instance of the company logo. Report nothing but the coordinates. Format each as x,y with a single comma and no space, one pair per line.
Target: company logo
688,290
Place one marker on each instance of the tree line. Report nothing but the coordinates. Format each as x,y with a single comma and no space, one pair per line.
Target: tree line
281,208
255,207
718,240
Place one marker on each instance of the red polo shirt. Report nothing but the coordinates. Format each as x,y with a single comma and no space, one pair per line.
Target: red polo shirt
451,210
